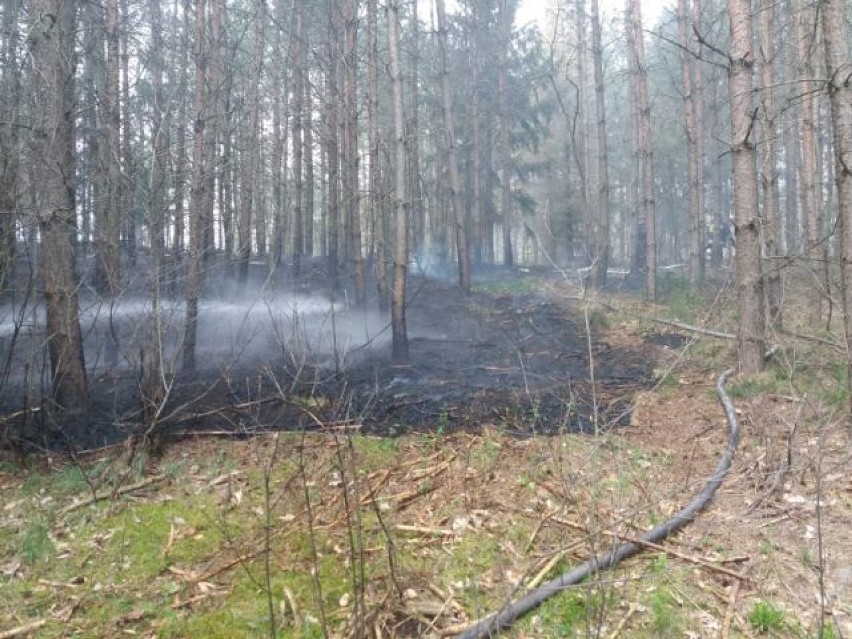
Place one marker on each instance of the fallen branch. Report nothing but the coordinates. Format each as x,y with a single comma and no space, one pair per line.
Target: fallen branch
121,491
725,630
630,611
22,630
492,624
693,329
692,560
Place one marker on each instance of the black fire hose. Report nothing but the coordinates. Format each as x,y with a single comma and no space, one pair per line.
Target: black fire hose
491,625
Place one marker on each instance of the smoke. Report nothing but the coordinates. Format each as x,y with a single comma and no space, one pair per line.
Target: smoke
257,330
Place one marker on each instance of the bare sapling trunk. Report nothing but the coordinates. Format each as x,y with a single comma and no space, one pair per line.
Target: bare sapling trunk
839,68
400,259
453,155
52,153
749,279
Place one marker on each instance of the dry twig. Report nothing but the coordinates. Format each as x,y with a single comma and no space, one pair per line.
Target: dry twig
22,630
121,491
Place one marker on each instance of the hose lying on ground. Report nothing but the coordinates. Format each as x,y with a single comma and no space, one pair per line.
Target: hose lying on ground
492,624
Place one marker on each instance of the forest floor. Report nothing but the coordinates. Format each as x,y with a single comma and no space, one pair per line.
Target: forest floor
414,501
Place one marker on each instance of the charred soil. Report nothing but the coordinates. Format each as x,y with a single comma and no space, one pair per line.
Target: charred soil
515,356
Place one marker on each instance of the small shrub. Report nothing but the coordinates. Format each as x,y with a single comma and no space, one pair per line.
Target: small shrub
765,618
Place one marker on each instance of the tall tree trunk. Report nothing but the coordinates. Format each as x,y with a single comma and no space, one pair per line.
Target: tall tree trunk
601,250
154,381
332,142
181,161
350,147
198,197
634,188
696,245
308,135
51,39
109,257
839,68
750,333
505,18
698,110
769,173
581,130
452,153
809,178
221,129
646,146
415,190
477,221
298,145
375,179
400,259
128,209
279,146
251,159
10,88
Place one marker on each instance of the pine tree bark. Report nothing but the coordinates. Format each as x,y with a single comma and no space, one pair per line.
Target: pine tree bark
453,155
703,220
749,279
696,248
198,216
601,236
128,217
332,98
809,177
298,142
374,142
350,162
415,190
154,380
646,146
400,259
308,137
51,41
477,212
504,143
769,172
251,153
10,89
839,68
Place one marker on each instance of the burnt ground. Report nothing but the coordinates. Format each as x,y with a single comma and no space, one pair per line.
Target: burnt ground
507,355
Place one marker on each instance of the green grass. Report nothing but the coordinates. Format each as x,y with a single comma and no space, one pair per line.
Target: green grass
684,302
766,618
571,614
666,618
35,543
